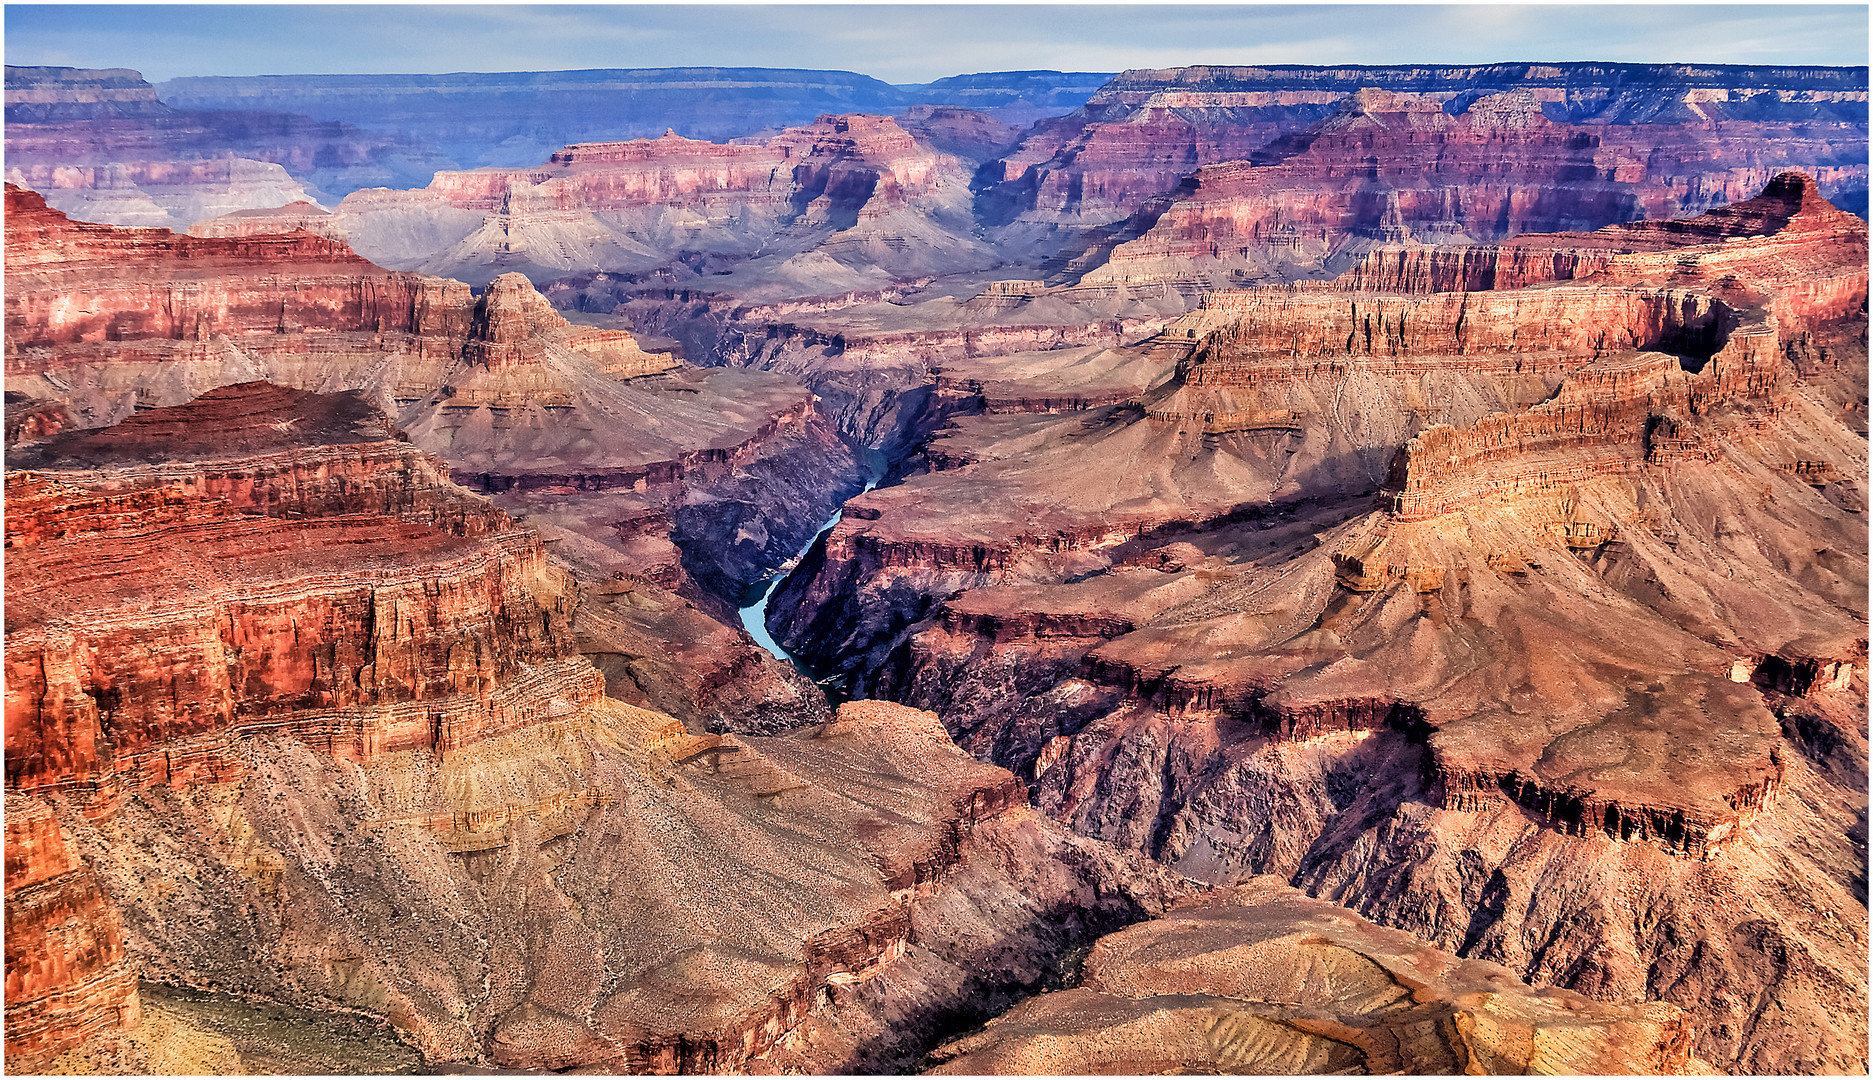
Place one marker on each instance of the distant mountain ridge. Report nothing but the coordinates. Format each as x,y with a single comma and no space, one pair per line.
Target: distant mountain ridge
514,118
1575,92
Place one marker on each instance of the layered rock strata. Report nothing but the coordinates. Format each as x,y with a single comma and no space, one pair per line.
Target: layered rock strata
1260,978
519,401
347,595
966,133
851,197
1145,131
1376,592
1785,238
888,371
1497,168
291,715
67,976
198,578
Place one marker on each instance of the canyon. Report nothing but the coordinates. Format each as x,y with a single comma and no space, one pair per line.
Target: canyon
1255,569
1448,605
105,145
324,736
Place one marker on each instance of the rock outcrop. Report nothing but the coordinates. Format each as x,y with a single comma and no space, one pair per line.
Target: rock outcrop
347,594
67,976
1781,237
1369,579
966,133
1262,979
154,284
200,577
293,217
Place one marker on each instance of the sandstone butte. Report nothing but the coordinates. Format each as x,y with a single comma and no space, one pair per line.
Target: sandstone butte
291,714
850,197
1528,619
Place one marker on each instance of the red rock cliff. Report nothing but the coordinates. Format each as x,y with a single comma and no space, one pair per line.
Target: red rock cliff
345,592
66,973
71,282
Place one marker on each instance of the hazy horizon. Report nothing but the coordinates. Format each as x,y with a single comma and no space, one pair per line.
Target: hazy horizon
907,44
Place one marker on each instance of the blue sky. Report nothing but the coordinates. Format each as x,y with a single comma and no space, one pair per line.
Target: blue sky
909,43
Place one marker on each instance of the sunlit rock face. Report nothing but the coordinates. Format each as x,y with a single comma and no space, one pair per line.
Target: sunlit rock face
520,402
253,614
320,732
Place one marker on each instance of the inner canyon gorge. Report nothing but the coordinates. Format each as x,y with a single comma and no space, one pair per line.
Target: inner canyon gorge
1217,569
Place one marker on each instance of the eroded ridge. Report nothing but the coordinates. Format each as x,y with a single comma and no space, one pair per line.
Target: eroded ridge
67,975
1260,978
853,194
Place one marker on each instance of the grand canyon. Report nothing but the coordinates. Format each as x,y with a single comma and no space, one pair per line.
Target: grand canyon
1276,569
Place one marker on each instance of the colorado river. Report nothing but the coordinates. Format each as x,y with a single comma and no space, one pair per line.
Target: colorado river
754,616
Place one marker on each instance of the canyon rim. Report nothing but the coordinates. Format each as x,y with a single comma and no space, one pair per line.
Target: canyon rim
650,540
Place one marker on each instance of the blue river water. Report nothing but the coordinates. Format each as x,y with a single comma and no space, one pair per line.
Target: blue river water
754,616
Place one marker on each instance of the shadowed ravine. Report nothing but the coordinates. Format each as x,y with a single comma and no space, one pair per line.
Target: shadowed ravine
754,616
